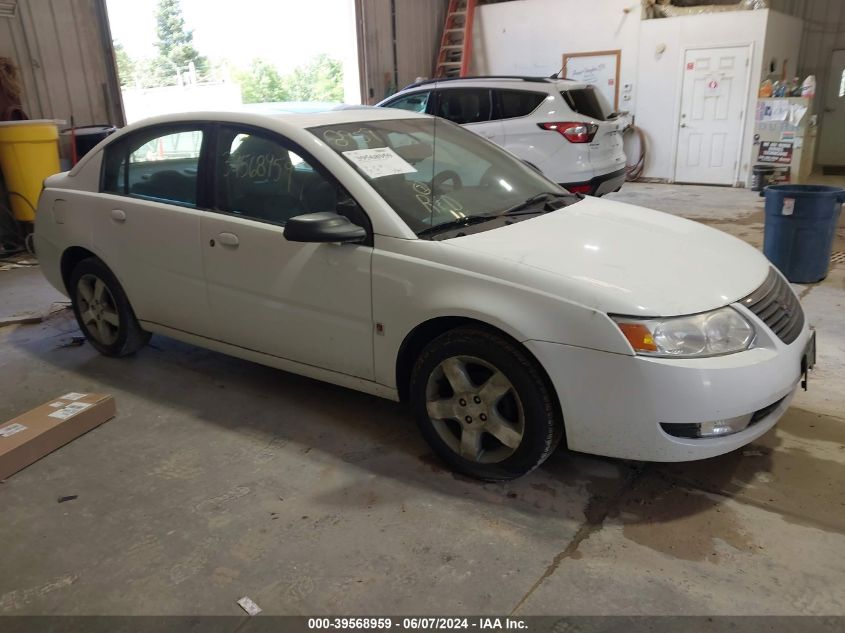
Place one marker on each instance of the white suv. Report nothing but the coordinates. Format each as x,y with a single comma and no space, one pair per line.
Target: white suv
563,128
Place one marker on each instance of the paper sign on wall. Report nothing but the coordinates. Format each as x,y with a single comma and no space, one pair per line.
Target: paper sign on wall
379,162
775,152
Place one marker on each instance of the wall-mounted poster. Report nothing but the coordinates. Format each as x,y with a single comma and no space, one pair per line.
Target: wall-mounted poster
597,68
779,153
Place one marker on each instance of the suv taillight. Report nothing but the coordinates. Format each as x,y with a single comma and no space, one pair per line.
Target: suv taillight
574,132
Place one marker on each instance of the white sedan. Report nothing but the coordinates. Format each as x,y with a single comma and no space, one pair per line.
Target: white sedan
403,256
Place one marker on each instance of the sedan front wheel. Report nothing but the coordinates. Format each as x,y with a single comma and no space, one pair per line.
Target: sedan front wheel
483,405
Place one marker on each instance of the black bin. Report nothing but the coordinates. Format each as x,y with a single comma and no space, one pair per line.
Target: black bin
88,136
761,176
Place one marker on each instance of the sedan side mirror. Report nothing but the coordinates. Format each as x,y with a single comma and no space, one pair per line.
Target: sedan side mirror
323,227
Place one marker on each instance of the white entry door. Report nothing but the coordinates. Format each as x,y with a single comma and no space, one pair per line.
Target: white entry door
832,136
712,100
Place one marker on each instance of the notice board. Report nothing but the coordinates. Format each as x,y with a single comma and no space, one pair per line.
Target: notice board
597,68
774,152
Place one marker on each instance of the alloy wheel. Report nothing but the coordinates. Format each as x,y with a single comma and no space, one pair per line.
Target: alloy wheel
475,409
98,309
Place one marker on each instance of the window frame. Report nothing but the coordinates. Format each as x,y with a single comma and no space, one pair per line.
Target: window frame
217,133
497,103
439,92
127,141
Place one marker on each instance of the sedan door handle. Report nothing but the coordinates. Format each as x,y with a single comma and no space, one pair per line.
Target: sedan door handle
118,215
228,239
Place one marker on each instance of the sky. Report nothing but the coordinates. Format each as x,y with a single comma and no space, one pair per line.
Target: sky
286,32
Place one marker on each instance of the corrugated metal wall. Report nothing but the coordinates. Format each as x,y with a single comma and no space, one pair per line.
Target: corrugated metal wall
824,32
418,24
62,48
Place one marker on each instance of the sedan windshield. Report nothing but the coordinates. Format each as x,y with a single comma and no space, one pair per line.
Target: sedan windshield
437,176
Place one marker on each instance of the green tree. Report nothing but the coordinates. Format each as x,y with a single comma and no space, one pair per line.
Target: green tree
125,66
175,45
262,83
319,80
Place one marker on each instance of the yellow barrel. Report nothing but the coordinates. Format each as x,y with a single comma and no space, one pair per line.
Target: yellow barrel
29,152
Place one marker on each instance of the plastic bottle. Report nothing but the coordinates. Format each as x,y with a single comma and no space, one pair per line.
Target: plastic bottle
779,89
765,89
808,88
795,87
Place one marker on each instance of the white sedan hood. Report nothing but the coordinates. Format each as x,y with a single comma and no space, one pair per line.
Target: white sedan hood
624,259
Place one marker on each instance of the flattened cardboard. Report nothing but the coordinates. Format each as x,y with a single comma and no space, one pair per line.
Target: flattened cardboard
29,437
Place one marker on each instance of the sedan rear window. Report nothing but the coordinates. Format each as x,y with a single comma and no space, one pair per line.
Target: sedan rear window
585,101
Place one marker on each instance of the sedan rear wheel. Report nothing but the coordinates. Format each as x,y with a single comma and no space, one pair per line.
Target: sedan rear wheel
98,309
102,310
484,405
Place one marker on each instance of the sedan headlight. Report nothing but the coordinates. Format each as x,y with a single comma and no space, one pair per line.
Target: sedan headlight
721,331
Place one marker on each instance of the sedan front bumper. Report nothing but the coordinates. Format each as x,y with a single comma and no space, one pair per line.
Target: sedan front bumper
614,404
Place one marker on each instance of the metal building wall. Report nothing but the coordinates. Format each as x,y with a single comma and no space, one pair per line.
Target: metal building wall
398,42
63,50
824,32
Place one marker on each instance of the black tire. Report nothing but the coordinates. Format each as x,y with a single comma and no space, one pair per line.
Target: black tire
126,337
528,407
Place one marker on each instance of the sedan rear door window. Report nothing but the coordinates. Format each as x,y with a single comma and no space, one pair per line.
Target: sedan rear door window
158,165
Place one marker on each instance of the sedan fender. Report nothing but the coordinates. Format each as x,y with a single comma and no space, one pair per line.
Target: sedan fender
411,289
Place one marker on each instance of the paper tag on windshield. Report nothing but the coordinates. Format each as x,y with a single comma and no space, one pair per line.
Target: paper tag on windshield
788,206
379,162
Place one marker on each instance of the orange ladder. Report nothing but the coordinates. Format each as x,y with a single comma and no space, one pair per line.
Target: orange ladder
456,43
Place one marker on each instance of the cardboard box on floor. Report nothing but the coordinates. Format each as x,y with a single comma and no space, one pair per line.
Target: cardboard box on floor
29,437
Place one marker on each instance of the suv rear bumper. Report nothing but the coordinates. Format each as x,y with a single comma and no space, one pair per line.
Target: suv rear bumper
599,185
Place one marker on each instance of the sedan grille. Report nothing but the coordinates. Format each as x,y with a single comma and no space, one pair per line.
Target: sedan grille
777,306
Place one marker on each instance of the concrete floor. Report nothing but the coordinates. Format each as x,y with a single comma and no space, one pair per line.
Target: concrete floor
220,478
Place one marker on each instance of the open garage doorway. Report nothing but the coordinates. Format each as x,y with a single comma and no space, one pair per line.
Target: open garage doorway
267,56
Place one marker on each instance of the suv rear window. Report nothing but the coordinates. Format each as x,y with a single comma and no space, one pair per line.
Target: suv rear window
584,101
517,103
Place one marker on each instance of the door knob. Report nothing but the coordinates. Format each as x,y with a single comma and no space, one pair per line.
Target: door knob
228,239
118,215
683,124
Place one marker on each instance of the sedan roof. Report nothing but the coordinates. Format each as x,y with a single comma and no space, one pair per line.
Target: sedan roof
285,123
346,114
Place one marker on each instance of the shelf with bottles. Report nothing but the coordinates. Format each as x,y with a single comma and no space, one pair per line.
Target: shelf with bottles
784,89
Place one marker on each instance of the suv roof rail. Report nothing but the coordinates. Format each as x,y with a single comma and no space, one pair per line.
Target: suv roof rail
515,77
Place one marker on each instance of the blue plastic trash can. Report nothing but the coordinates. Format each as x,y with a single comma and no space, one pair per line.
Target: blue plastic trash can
800,224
